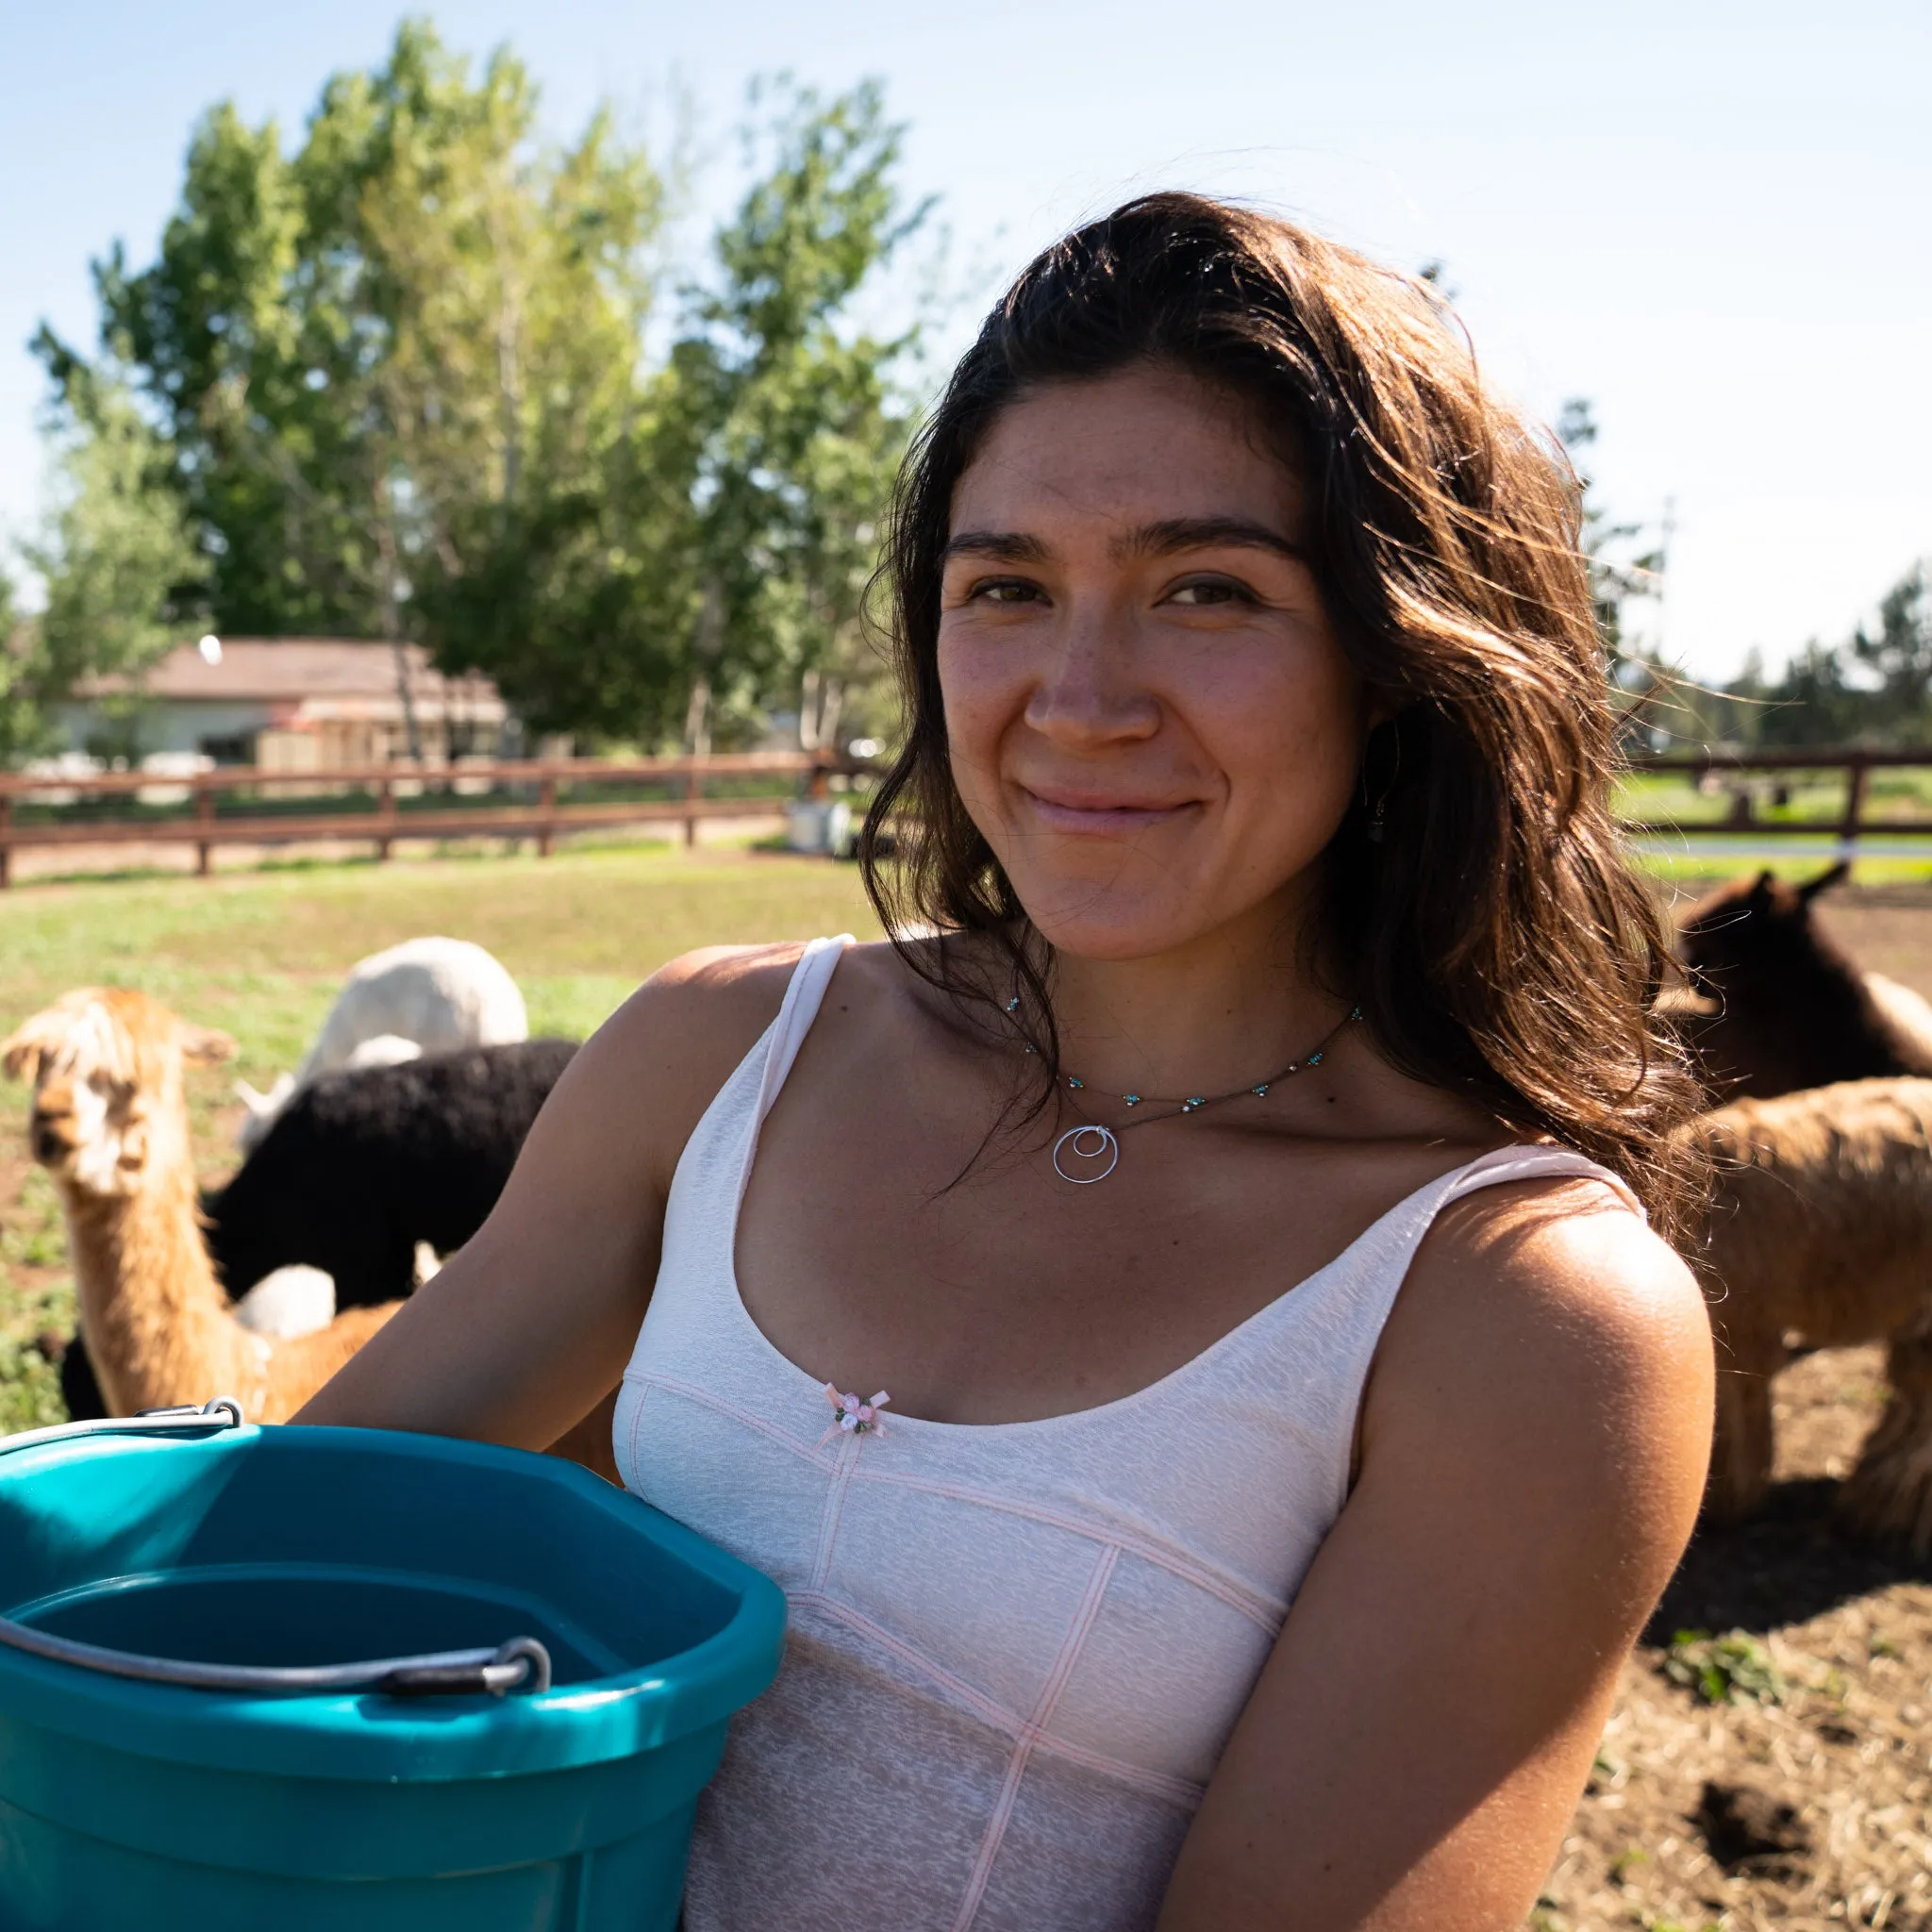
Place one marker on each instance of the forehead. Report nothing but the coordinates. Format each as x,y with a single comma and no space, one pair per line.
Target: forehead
1145,446
89,1033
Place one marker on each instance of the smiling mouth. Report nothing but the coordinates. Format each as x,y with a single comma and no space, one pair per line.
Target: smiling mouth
1071,812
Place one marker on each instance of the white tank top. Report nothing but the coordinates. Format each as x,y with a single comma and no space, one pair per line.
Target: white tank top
1016,1649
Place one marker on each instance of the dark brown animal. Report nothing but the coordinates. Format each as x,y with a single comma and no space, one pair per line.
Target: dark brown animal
1782,1008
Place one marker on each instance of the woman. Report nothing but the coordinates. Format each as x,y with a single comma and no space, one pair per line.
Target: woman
1150,1559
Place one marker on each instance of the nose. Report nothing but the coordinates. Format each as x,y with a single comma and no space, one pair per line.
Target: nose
1088,693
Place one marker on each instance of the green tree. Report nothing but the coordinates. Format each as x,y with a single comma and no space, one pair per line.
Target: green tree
1900,654
23,725
369,349
1620,574
1649,692
804,413
400,369
712,560
122,572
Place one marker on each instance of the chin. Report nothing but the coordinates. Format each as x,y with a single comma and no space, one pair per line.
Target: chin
1099,925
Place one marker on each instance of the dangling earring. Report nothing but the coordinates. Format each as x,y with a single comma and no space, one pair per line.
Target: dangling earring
1376,828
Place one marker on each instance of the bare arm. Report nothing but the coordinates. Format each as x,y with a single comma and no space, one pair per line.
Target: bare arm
1533,1451
530,1322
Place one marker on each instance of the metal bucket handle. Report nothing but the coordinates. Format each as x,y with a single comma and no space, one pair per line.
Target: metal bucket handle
520,1664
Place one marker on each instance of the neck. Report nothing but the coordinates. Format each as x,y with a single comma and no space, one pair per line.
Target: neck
1227,1008
157,1320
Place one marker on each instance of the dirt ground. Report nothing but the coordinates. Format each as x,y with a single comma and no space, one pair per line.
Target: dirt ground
1769,1763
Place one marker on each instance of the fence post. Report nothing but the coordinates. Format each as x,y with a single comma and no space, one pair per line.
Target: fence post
386,809
546,815
204,815
1857,772
693,792
5,841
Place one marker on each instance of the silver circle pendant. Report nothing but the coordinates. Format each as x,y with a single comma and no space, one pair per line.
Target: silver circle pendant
1090,1142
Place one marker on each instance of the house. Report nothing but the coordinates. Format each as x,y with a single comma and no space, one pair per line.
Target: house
292,705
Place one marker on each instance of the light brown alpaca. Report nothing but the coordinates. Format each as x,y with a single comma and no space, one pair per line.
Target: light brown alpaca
1820,1235
109,1123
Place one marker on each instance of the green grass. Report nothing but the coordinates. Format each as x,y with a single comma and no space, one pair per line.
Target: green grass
261,954
1812,797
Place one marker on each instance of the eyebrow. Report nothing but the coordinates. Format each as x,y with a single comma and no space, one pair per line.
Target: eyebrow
1164,538
1002,546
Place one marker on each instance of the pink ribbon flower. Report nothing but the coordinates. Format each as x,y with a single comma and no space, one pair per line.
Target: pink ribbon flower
852,1416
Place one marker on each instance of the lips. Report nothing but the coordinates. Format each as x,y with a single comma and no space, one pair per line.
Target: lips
1097,814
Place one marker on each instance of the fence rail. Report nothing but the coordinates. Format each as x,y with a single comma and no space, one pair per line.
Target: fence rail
544,799
507,799
1849,826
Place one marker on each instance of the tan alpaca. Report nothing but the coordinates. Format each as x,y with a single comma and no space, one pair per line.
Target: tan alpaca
1819,1235
109,1123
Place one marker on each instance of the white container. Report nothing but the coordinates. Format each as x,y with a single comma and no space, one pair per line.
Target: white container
819,824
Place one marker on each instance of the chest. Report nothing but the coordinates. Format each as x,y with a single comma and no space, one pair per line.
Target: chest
905,1239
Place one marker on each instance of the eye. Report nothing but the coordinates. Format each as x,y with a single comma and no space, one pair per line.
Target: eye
1002,590
1202,592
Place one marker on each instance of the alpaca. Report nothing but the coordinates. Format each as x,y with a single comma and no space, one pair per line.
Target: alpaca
431,995
1776,1007
366,1167
422,1150
109,1123
1819,1235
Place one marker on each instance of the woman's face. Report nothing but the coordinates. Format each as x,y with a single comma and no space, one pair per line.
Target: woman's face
1149,717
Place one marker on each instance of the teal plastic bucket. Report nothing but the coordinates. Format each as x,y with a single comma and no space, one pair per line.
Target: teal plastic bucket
248,1552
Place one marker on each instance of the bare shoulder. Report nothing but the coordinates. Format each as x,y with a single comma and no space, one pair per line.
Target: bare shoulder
1547,1341
648,1073
1568,1254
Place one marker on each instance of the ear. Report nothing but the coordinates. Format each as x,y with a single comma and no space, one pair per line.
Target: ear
23,1052
1761,885
1383,707
1825,880
203,1045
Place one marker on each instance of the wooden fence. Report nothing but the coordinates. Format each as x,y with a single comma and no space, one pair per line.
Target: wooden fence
537,799
1849,826
507,799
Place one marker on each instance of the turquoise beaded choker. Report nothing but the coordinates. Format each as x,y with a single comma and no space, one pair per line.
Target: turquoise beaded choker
1091,1144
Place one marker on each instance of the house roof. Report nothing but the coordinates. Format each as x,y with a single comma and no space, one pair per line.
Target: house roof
289,670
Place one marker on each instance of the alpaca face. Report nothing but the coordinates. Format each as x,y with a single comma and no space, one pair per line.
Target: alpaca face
106,1065
1754,931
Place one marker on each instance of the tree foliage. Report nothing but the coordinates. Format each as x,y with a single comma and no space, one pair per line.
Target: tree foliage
120,571
1873,688
401,376
357,344
1621,573
716,561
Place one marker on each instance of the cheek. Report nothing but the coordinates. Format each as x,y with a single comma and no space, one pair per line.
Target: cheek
982,696
1266,714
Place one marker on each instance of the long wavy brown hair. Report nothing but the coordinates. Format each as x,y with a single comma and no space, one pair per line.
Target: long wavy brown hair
1492,934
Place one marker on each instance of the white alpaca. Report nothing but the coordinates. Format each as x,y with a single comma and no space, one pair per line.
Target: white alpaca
1908,1016
295,1300
426,995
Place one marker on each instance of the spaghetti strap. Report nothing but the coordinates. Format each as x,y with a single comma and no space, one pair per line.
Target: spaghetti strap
802,995
1534,1163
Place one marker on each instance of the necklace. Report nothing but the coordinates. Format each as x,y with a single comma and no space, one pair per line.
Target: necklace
1090,1142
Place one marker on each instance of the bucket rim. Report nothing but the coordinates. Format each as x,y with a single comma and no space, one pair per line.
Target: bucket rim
362,1735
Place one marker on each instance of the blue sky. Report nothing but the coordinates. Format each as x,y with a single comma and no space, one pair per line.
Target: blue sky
1714,220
